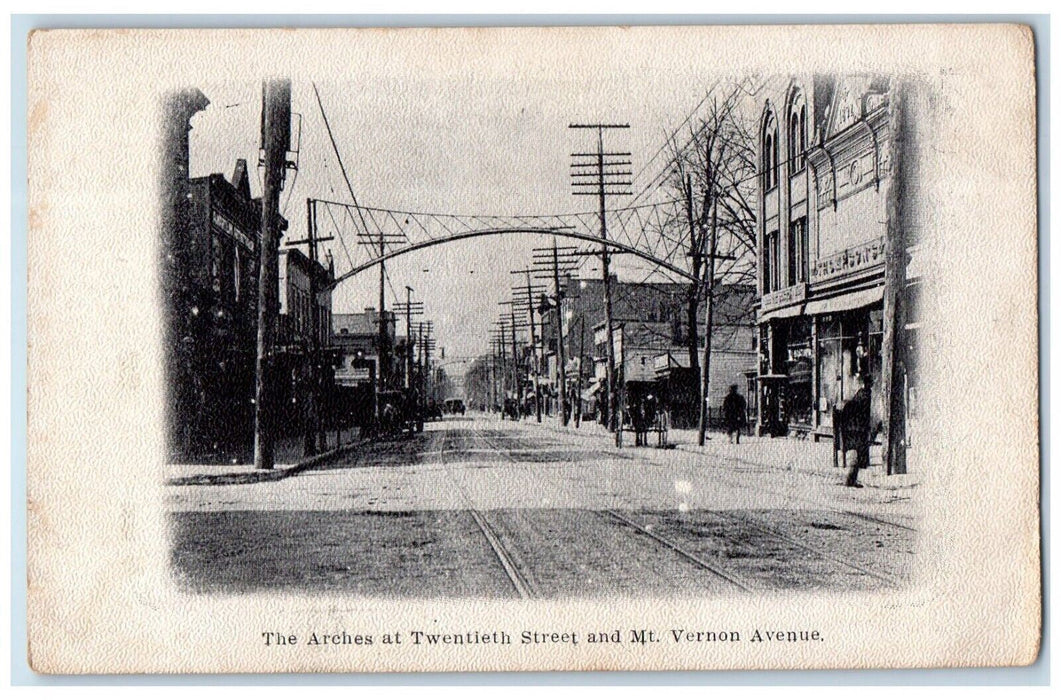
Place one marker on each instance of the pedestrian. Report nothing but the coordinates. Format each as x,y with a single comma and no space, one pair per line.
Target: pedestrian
734,414
649,414
855,430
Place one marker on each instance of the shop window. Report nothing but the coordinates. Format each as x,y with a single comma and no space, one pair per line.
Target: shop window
798,366
849,345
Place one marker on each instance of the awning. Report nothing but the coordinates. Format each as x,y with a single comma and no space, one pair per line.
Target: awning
588,394
846,302
786,312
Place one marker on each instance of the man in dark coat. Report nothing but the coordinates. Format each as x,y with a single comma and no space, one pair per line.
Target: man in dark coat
734,414
856,430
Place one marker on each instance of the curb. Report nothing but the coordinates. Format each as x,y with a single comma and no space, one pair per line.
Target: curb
257,477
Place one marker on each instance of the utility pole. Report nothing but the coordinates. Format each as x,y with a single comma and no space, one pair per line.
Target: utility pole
561,355
709,311
515,360
314,438
581,357
513,326
421,399
410,308
377,244
552,262
591,178
530,290
312,400
502,376
276,136
892,390
408,336
384,355
534,352
492,374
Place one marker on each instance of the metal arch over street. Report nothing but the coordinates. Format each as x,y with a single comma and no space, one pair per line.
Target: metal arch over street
547,231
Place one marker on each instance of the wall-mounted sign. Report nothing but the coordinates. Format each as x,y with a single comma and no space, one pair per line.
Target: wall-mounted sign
221,221
784,297
852,260
359,374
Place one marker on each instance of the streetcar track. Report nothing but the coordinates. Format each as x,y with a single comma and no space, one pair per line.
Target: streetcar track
770,532
666,543
522,584
717,571
515,576
880,521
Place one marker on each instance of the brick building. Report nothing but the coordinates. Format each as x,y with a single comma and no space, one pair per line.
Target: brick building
652,326
215,262
827,159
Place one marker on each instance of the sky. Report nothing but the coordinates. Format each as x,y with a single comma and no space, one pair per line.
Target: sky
439,141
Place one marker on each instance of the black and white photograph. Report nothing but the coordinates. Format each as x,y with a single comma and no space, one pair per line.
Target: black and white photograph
676,390
550,348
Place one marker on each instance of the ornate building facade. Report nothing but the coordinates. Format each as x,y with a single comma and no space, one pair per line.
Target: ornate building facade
832,246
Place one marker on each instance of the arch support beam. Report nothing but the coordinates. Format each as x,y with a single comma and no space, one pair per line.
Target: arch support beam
464,235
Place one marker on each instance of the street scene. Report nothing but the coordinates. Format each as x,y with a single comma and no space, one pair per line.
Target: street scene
390,374
474,507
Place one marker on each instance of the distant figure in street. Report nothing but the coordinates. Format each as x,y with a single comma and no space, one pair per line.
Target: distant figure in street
389,418
855,430
649,410
734,414
635,412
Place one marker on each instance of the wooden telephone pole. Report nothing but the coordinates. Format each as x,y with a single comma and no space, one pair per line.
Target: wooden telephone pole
276,136
314,435
594,174
530,290
554,262
892,389
410,308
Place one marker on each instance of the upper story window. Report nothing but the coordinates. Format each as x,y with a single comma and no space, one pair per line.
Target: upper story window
798,251
771,262
769,153
797,134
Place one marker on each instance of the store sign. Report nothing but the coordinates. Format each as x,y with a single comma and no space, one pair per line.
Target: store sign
784,297
360,374
222,222
852,260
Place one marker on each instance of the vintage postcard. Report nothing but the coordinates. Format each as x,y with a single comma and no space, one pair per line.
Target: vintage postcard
597,348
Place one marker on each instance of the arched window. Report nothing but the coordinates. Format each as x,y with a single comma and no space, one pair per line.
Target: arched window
797,134
770,150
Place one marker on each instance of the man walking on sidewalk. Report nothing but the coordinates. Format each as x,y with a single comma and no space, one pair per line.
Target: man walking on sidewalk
734,414
856,432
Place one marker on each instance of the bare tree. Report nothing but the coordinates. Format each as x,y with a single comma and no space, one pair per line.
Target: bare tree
713,174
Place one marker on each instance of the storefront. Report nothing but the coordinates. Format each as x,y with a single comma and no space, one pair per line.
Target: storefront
815,353
849,347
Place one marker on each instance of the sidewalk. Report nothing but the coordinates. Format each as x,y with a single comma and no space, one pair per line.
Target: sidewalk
289,461
781,454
